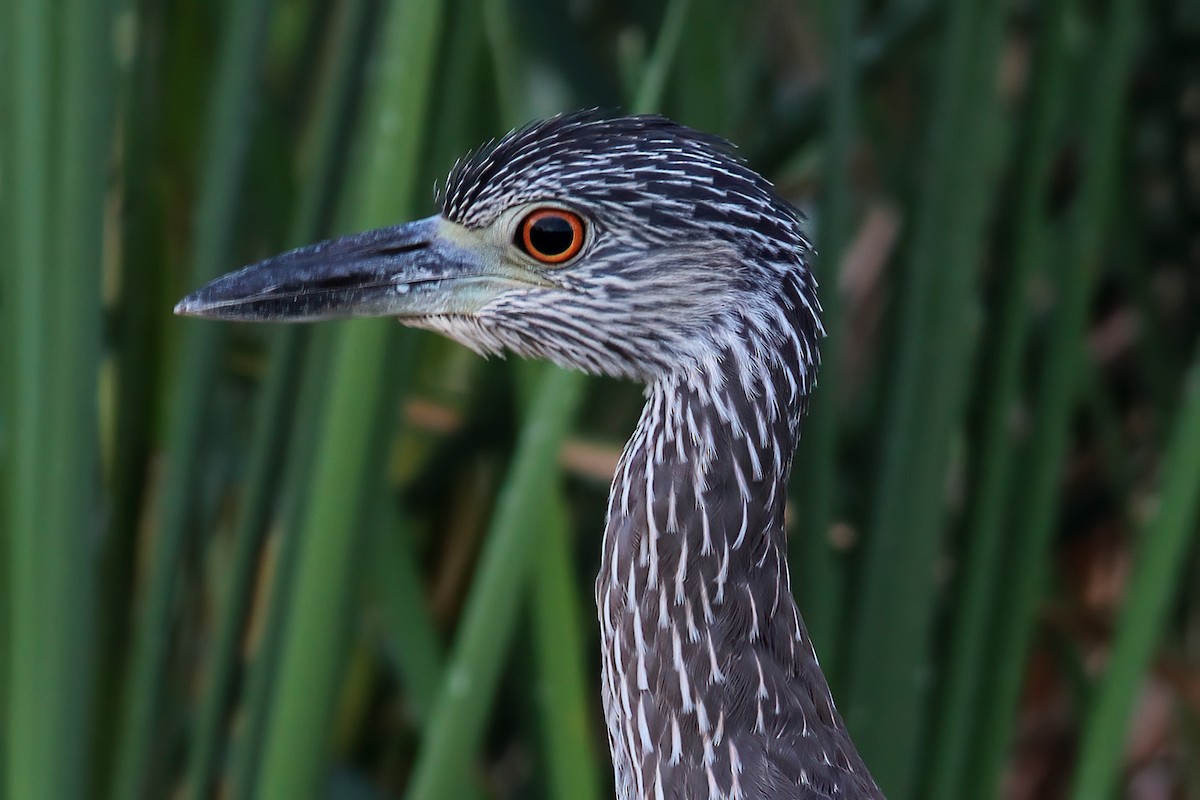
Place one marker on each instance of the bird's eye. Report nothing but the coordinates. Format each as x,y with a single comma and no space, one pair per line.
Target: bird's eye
551,235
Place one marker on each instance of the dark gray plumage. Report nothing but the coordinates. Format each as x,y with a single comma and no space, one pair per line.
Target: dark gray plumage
637,247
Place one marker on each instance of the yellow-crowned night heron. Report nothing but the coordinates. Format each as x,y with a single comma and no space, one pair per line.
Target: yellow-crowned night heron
639,248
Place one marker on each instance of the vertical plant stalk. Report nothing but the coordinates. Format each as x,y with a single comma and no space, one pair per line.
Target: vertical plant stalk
418,650
273,422
296,744
490,615
1034,504
658,69
506,59
61,90
820,571
136,328
890,652
1157,573
9,360
281,551
241,48
310,670
29,734
980,581
415,645
274,414
563,691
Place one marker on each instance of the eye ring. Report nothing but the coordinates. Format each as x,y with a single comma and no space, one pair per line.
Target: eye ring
551,235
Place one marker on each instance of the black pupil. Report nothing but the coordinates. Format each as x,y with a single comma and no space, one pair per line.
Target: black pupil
551,235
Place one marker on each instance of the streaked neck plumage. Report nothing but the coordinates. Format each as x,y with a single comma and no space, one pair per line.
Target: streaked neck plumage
711,686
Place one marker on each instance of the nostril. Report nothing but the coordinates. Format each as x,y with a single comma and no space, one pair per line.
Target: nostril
327,282
401,249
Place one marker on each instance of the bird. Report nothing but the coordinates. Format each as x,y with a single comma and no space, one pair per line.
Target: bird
637,247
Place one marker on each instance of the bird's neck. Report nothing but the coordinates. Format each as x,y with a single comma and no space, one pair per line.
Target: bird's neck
694,576
697,503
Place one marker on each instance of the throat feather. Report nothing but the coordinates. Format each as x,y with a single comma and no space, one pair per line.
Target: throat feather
694,561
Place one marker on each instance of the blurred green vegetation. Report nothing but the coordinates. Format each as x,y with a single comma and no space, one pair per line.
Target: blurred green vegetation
354,561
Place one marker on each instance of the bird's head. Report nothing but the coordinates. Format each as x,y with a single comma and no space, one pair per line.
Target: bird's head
629,246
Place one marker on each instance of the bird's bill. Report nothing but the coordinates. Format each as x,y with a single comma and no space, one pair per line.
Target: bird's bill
424,268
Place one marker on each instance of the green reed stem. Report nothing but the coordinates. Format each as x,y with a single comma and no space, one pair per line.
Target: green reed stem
563,690
819,570
489,619
274,416
310,669
228,133
1157,573
980,581
1035,500
890,658
60,88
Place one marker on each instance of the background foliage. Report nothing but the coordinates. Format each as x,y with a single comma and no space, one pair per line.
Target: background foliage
353,561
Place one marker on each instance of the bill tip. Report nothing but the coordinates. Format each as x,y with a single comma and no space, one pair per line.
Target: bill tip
187,307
